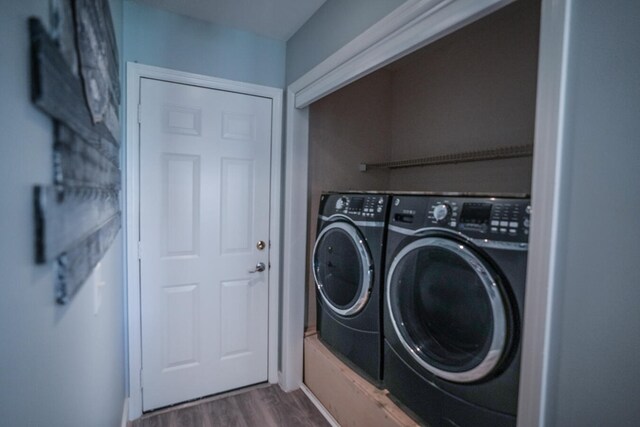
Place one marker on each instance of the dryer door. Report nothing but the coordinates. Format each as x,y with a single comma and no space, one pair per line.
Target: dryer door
446,308
342,268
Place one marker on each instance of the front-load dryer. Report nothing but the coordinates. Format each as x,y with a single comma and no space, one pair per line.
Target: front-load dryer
453,307
348,262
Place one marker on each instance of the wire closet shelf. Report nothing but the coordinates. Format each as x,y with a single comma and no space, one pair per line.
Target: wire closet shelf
509,152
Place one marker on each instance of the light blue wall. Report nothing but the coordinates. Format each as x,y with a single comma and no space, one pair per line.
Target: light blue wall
335,24
595,331
156,37
59,366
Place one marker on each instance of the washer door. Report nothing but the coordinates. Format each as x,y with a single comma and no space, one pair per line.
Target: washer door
342,268
447,309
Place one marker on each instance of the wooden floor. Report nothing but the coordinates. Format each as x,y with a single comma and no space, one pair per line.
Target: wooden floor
261,406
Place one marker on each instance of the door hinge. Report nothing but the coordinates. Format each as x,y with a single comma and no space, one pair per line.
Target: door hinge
139,113
139,250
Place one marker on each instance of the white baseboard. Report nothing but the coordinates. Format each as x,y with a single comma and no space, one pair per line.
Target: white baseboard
125,413
326,414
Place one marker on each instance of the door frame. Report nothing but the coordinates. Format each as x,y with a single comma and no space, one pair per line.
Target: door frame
415,24
135,72
412,25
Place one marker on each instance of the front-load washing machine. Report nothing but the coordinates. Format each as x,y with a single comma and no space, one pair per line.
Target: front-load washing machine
348,262
453,307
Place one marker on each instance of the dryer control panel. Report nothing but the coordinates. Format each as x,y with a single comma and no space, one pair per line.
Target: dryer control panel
492,218
359,207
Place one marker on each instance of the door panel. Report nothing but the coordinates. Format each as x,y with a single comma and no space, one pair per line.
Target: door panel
237,195
204,202
182,204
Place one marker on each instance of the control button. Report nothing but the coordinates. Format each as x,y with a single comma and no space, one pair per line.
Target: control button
379,209
513,224
504,223
528,209
441,212
526,222
513,231
503,230
495,223
453,223
494,229
380,201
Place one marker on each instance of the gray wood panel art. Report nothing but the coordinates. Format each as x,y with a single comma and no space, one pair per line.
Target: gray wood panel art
77,163
60,94
75,265
75,81
63,222
98,62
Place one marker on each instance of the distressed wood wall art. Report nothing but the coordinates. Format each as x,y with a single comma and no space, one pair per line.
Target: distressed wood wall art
75,80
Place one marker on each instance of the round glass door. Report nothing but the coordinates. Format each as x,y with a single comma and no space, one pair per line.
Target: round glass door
446,309
342,268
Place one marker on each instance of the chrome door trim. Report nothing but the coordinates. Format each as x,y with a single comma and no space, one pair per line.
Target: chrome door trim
498,340
486,243
366,264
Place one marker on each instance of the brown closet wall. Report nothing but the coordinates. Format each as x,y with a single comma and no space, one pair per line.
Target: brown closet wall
345,128
474,89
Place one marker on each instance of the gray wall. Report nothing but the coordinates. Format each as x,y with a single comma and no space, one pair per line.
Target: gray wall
163,39
59,366
335,24
595,330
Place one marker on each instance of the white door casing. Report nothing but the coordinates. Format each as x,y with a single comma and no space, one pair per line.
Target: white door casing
412,25
247,344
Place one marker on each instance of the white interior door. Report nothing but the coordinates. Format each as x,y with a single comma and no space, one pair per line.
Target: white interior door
204,205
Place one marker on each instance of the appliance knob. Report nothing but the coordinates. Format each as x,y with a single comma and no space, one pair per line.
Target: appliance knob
341,203
441,212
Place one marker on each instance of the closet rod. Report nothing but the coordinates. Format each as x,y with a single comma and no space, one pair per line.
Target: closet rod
466,156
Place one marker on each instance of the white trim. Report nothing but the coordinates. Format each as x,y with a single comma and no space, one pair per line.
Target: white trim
294,245
325,413
124,420
545,203
411,26
134,73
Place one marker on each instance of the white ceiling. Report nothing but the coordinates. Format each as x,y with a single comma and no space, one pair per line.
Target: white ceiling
278,19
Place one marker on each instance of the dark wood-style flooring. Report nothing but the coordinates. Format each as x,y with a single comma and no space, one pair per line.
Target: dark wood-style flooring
262,406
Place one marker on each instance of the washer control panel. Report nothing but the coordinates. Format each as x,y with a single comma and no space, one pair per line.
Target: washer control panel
362,207
493,218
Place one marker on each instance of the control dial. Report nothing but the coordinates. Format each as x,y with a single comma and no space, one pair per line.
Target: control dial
341,203
441,212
